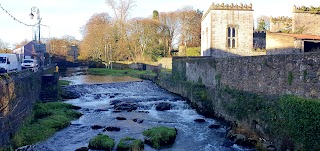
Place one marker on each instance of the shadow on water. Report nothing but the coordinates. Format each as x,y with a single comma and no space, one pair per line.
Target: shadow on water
101,104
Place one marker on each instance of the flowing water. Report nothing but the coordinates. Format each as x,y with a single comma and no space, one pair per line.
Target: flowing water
96,104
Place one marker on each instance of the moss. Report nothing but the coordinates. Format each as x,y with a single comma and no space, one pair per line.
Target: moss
305,75
160,136
64,82
129,143
290,77
200,80
101,142
245,104
47,118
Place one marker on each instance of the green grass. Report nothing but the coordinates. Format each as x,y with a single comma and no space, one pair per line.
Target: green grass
64,82
160,136
101,142
127,72
129,143
47,118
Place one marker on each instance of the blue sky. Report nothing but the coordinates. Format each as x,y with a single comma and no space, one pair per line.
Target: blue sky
66,17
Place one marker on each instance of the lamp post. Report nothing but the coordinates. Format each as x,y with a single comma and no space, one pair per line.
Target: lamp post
37,11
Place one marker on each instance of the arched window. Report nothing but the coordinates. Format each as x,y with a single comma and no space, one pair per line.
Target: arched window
231,37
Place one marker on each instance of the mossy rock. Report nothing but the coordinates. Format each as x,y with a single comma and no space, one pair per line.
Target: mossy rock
101,142
160,136
130,144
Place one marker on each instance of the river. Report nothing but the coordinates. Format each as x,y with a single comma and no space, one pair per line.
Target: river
98,94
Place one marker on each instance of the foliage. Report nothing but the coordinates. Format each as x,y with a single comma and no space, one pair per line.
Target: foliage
311,9
129,143
47,118
261,25
301,121
160,136
138,39
101,142
193,51
113,72
64,82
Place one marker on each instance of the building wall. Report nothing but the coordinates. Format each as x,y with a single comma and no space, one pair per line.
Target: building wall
206,28
297,74
278,43
306,23
281,23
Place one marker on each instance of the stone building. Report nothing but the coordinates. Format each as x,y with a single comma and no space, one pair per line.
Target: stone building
280,24
227,30
304,35
306,20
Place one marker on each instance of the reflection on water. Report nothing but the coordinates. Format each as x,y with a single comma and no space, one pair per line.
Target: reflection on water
90,79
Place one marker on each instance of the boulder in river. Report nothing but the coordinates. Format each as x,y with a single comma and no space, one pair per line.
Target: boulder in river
160,136
125,106
138,121
200,120
95,127
110,129
70,94
101,142
214,126
163,106
129,143
242,140
83,149
121,118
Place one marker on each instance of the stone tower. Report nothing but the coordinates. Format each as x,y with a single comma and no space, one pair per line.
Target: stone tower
227,30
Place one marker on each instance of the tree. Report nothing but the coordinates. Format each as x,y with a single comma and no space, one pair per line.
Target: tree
4,47
263,23
22,43
144,39
169,30
121,12
95,34
155,15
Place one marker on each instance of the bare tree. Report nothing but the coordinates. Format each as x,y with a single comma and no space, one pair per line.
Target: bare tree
4,47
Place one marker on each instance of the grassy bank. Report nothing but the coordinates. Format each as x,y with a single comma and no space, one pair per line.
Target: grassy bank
127,72
46,119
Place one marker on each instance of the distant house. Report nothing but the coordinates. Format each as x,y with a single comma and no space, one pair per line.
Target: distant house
73,53
30,50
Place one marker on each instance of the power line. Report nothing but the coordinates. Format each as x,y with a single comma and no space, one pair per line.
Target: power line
15,19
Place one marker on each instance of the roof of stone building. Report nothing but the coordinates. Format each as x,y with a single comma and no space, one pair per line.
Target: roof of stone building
302,36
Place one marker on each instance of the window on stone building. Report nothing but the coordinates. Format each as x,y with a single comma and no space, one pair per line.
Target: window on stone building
231,39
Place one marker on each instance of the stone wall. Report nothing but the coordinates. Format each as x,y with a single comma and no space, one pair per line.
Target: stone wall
250,93
306,23
297,74
18,94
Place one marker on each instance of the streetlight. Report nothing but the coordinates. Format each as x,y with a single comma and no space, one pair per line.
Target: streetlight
37,11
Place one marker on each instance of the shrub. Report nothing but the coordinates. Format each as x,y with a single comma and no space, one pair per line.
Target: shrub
101,142
160,136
